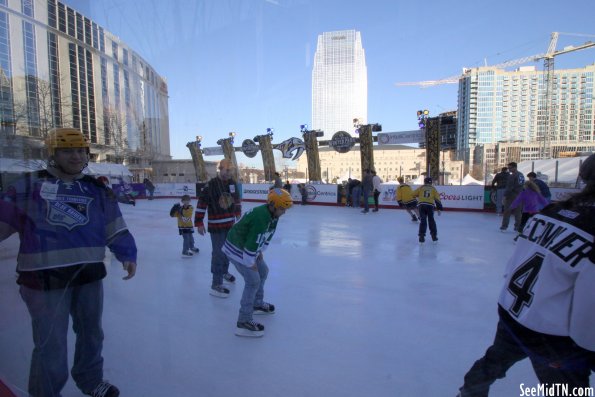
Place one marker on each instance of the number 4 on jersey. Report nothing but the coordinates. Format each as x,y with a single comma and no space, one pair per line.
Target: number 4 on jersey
522,282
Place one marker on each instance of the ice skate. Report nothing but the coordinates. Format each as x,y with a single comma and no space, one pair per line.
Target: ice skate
230,278
422,239
414,218
250,329
264,308
187,254
435,239
104,389
195,250
219,291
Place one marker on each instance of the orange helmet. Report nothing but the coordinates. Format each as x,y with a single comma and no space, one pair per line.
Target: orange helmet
280,198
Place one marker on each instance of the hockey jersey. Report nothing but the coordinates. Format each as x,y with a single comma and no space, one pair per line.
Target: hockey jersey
405,195
63,225
428,195
549,279
222,200
250,236
184,215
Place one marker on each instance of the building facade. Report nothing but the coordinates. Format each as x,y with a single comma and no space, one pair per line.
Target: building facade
495,105
59,68
339,83
390,162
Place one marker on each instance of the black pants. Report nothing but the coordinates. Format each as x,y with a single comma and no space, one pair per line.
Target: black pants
426,215
555,359
376,195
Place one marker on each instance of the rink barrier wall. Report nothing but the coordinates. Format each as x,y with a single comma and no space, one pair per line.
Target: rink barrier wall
453,197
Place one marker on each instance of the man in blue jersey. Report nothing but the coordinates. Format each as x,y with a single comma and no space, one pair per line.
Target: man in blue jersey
65,220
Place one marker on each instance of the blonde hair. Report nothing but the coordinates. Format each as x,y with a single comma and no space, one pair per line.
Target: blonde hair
532,185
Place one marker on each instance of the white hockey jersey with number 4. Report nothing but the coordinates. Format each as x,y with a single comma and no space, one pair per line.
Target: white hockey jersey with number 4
550,279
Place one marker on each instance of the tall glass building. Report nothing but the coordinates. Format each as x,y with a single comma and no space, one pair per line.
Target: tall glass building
339,82
501,106
59,68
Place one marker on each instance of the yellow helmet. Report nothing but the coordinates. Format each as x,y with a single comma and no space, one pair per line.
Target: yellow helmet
280,198
61,138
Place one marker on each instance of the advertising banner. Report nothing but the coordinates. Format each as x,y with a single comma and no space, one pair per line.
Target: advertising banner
398,138
174,189
464,197
317,193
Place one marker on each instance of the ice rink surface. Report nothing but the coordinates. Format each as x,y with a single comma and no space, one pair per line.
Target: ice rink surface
361,310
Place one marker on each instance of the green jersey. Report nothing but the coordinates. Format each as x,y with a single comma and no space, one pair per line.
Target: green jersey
250,236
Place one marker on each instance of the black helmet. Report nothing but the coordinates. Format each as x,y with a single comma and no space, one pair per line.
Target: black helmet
428,180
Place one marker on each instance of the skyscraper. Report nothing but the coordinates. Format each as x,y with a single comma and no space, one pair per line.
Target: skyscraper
339,82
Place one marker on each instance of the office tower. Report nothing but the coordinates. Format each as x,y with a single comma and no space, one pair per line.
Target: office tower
339,83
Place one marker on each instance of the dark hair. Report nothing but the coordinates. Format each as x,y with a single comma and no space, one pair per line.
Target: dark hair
587,195
532,175
512,164
504,169
185,197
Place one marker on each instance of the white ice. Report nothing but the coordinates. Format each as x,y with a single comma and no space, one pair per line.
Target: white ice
362,310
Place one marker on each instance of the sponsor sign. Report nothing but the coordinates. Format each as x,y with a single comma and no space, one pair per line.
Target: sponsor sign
342,142
212,151
249,148
398,138
316,193
174,189
465,197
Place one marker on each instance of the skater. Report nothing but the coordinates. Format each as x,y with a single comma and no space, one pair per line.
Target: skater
367,188
149,187
304,193
65,220
220,196
354,188
546,305
277,182
531,201
405,199
427,197
376,181
499,185
184,213
514,186
543,187
244,246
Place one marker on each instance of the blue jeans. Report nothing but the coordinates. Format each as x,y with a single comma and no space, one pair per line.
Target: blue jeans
219,262
253,288
356,196
188,242
50,312
366,196
499,199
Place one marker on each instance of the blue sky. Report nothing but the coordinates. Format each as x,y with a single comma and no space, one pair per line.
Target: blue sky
245,66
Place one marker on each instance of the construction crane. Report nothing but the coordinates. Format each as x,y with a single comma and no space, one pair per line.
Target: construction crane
548,69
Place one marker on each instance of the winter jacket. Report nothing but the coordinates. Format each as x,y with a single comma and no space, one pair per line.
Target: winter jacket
531,201
222,200
514,185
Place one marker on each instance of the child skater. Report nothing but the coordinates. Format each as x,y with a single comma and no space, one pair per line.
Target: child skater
185,213
405,199
244,245
531,201
428,197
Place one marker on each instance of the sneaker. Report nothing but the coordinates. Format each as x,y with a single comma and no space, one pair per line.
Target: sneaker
422,239
435,239
194,249
219,291
264,308
187,254
229,278
104,389
250,329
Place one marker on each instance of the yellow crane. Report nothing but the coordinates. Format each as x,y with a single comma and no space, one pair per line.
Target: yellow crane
548,69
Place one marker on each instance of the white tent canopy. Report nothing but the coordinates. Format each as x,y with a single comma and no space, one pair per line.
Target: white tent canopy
469,180
19,166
